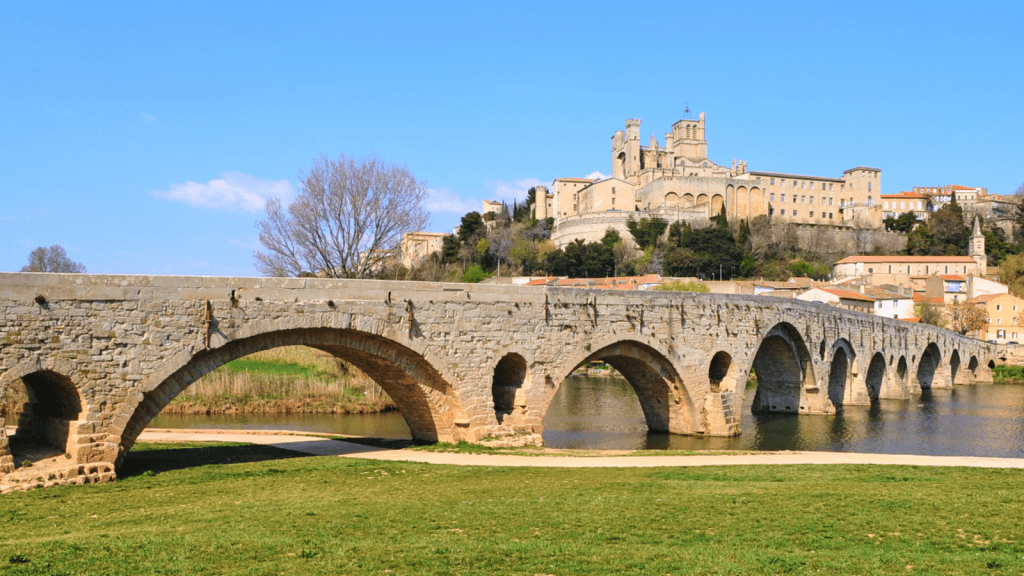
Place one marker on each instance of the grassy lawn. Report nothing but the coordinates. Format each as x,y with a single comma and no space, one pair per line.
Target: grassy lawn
256,510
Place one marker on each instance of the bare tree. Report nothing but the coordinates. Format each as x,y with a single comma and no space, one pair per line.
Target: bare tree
967,317
52,259
346,221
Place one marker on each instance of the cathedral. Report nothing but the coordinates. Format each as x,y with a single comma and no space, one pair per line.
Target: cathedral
677,181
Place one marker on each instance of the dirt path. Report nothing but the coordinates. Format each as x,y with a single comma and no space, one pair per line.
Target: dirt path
322,447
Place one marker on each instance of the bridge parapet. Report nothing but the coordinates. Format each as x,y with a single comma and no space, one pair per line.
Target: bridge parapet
102,354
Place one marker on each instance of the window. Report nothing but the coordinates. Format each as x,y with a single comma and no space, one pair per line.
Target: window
869,186
812,213
812,200
782,212
772,196
782,182
999,307
773,181
830,201
829,187
999,320
812,185
794,198
829,215
1000,334
803,199
803,184
885,205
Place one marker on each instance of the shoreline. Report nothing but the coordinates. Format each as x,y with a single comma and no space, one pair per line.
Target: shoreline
320,446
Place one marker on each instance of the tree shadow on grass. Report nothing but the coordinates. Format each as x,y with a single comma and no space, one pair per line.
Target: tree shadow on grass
151,459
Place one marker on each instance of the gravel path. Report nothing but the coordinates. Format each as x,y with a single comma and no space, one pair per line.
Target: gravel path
321,447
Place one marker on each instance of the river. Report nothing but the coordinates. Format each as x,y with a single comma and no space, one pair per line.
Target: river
604,413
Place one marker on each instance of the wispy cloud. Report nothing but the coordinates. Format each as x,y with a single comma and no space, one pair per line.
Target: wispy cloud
515,190
445,201
233,192
148,117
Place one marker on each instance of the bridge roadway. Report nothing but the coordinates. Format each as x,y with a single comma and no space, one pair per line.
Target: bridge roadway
100,356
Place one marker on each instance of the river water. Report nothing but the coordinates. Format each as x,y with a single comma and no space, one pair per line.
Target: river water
604,413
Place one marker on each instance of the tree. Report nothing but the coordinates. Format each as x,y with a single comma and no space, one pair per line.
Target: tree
647,231
965,317
1011,273
905,223
347,219
470,226
52,259
948,229
930,313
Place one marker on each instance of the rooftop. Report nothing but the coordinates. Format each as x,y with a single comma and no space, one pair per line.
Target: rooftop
908,259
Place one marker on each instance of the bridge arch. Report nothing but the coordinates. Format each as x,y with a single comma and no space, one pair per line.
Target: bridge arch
511,377
840,372
876,376
54,408
954,367
784,369
664,397
722,373
927,366
423,395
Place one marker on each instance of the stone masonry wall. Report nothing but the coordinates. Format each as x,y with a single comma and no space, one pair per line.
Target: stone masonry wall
130,343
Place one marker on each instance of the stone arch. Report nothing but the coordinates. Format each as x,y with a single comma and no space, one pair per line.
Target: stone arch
755,205
423,395
722,373
664,398
672,199
901,370
783,368
840,372
688,201
622,164
51,415
876,376
954,367
702,199
717,204
511,375
931,359
972,368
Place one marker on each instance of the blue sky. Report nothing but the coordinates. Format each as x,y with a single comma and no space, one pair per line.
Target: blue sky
144,137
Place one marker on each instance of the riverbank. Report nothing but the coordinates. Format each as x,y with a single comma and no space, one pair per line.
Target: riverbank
264,510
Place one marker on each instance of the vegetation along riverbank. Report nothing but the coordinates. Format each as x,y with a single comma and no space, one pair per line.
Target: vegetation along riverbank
272,512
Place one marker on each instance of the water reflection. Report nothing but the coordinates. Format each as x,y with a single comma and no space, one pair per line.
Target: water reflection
604,413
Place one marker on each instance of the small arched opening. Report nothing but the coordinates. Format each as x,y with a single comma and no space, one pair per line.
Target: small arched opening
722,373
717,204
510,376
954,367
927,366
839,372
901,370
46,424
876,375
972,368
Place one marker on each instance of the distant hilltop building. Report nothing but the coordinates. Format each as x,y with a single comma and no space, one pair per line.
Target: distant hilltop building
677,181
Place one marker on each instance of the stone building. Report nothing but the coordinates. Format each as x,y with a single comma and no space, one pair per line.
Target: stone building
1004,323
910,265
677,181
419,245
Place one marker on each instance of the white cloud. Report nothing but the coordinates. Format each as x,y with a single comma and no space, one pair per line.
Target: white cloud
232,192
445,201
509,191
148,117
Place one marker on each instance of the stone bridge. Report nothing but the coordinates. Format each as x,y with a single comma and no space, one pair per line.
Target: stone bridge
100,356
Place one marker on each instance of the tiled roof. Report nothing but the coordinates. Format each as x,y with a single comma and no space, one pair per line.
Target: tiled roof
541,281
911,319
984,298
849,294
908,259
904,195
952,277
883,294
958,187
918,297
588,180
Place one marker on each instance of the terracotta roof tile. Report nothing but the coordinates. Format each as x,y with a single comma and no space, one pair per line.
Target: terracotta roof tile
849,294
952,277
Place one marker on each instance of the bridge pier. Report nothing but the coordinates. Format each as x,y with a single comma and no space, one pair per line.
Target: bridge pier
100,356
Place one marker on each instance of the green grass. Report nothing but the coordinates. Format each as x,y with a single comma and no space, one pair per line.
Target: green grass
283,369
326,515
